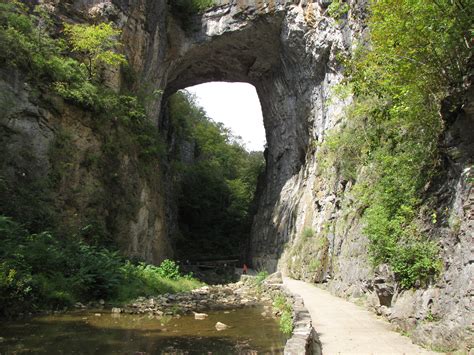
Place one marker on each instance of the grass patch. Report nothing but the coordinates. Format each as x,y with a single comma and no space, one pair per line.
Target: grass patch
260,277
308,232
281,304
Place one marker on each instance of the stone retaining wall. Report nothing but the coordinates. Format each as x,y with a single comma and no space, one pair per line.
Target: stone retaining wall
304,340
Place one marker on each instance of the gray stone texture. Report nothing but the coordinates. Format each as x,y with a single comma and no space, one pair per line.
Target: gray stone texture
288,51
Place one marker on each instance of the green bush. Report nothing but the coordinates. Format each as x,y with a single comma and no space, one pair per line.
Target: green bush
286,323
338,8
416,261
281,304
261,276
169,270
308,233
389,143
39,271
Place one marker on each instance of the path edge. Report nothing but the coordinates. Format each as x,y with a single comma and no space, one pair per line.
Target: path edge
304,339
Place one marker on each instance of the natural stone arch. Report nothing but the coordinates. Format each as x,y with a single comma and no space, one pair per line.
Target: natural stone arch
227,48
271,45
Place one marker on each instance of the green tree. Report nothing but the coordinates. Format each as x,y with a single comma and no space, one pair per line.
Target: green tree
97,44
419,51
216,190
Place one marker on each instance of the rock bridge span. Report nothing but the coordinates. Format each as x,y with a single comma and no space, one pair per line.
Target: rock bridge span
287,50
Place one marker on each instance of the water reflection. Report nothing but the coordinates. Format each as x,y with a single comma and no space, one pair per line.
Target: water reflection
88,333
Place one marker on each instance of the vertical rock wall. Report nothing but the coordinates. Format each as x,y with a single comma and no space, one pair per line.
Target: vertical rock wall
288,50
65,168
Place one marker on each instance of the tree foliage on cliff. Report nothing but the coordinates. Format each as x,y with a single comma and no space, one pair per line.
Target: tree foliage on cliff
97,44
419,50
28,44
186,8
69,65
217,187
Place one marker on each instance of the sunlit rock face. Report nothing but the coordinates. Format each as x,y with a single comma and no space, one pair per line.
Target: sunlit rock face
288,50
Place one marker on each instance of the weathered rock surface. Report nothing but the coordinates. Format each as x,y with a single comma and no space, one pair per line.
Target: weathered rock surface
221,326
288,51
217,297
200,316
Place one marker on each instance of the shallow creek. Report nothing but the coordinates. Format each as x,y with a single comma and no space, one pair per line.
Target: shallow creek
88,333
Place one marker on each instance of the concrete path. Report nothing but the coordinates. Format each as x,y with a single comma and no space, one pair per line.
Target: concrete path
345,328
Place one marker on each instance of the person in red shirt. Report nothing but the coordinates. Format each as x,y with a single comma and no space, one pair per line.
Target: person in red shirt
244,270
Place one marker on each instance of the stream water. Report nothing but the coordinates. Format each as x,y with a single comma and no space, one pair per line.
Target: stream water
88,333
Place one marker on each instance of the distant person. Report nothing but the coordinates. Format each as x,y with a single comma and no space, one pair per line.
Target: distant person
244,269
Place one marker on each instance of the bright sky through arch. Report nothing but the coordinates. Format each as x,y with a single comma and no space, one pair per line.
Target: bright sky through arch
236,105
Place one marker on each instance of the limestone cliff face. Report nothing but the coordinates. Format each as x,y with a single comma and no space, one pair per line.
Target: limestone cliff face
288,50
61,168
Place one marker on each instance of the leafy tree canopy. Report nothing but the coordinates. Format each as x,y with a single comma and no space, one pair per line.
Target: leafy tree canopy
419,51
217,189
97,44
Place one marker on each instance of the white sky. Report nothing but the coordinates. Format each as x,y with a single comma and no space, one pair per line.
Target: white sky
236,105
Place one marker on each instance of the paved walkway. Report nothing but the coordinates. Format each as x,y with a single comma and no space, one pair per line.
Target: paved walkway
345,328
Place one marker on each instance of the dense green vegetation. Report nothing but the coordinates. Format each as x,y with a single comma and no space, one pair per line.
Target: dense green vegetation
185,9
40,271
217,189
281,304
337,9
70,66
419,52
43,263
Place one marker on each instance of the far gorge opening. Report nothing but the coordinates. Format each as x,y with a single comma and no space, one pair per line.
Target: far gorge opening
252,52
217,159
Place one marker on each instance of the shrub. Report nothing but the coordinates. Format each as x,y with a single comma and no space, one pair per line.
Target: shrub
281,304
314,265
261,276
40,271
388,145
308,233
338,8
169,270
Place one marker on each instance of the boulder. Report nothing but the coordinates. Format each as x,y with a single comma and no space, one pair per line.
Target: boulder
274,278
200,316
221,326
